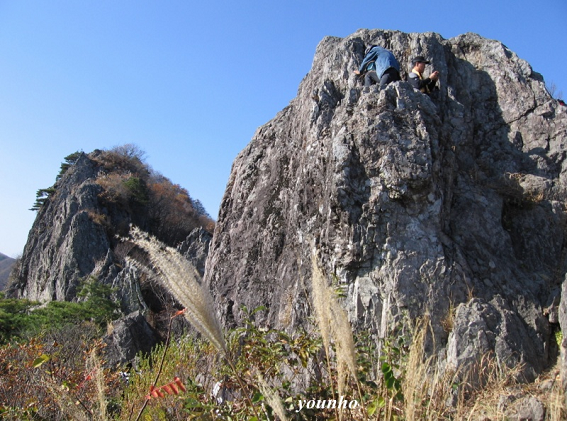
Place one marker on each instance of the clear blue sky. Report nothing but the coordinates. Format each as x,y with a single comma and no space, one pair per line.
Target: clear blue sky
189,82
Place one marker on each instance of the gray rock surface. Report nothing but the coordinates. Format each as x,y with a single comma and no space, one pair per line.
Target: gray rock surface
6,266
450,205
521,408
195,248
75,235
65,244
129,337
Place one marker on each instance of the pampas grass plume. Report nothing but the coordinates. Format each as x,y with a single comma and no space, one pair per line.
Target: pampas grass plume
180,277
333,324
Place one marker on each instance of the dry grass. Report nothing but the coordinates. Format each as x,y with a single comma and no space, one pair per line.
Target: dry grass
271,397
428,393
334,325
499,399
184,282
96,374
487,391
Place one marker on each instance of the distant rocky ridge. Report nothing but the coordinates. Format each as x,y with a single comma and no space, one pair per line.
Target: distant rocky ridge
451,206
6,264
77,233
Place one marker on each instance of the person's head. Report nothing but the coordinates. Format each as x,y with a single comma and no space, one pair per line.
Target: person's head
370,47
419,63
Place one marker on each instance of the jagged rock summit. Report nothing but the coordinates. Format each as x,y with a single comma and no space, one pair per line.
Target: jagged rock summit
78,228
451,206
78,234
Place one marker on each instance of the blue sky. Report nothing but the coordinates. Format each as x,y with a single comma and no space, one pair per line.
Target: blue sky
189,82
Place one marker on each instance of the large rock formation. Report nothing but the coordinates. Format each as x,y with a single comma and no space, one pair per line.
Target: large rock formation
77,232
65,243
450,205
78,228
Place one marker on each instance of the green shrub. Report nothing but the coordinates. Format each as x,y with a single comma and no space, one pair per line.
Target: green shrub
138,190
23,319
14,317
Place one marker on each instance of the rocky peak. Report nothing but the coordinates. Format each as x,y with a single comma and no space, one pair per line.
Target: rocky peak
450,206
65,243
78,228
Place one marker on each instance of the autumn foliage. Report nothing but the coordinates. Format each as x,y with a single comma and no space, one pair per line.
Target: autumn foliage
56,376
150,200
132,193
173,387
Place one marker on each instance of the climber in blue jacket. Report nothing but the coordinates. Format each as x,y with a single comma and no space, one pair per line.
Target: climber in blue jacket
380,65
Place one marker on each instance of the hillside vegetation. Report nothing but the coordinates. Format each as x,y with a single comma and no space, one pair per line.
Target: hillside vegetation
57,372
131,188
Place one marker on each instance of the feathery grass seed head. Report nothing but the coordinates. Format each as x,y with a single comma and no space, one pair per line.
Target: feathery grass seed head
183,281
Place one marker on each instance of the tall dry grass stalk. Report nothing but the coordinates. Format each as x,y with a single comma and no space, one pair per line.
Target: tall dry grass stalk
426,390
415,385
557,403
334,325
184,283
180,277
320,296
97,376
271,397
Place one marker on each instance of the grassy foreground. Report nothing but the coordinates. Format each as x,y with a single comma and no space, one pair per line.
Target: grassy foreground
255,373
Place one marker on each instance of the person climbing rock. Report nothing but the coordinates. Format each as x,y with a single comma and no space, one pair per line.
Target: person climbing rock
379,66
425,85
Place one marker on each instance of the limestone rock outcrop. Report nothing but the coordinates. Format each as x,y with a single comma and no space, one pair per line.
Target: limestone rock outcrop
65,243
78,233
129,337
450,205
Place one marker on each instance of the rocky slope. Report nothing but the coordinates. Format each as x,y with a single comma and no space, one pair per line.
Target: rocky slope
78,229
6,264
451,206
77,233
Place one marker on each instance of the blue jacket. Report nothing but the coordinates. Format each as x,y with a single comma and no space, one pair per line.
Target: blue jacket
379,59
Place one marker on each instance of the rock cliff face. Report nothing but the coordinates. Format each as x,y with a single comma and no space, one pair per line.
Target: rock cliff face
451,205
77,231
65,243
6,265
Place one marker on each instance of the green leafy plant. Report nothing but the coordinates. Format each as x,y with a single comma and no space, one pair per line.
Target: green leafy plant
138,190
41,197
21,318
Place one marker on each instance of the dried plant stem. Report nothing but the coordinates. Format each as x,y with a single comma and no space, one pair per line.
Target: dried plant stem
184,282
333,324
320,297
271,397
97,376
158,374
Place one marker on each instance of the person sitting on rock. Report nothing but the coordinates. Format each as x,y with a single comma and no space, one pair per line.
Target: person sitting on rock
425,85
379,66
